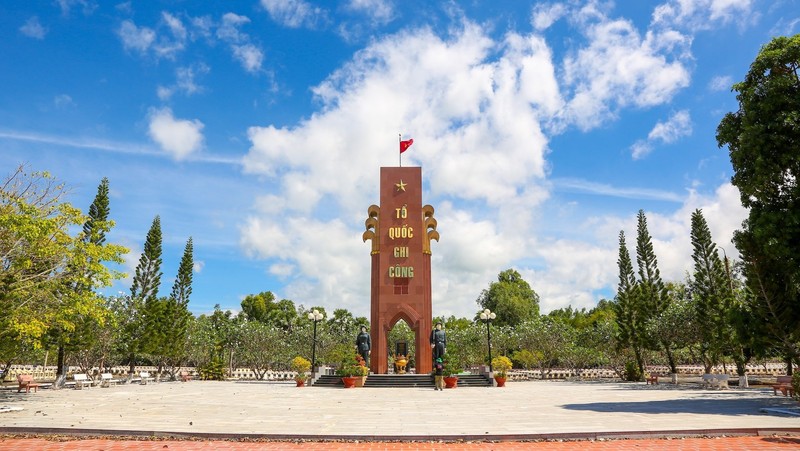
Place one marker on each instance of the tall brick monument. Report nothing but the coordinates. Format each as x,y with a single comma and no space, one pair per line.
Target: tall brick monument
401,230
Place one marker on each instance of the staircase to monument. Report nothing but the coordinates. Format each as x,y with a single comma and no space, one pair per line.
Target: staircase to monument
405,381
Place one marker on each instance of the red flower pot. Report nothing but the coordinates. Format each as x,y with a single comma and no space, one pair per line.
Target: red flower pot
300,382
501,381
450,382
349,382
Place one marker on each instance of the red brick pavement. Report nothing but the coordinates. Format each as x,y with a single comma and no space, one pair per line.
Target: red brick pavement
748,443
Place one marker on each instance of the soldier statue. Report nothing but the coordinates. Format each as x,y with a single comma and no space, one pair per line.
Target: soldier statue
438,342
363,344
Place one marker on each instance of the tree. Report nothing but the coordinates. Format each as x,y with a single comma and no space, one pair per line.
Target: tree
711,293
257,307
170,318
763,139
92,314
651,289
511,298
144,291
182,289
47,276
35,247
148,272
628,309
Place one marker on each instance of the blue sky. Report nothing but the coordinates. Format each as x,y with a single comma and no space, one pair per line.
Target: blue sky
258,128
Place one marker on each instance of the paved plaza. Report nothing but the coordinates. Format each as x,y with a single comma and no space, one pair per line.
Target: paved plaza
521,410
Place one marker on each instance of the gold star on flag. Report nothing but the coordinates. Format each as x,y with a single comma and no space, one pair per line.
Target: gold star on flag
400,186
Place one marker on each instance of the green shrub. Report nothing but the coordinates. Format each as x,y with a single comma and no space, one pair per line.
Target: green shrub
632,372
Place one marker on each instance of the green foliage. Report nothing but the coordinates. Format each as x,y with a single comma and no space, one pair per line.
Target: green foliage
148,272
213,370
524,358
257,307
511,298
47,275
711,292
796,385
452,364
763,139
632,372
629,310
261,346
182,289
351,367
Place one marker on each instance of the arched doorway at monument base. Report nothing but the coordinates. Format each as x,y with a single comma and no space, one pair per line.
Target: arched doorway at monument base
401,347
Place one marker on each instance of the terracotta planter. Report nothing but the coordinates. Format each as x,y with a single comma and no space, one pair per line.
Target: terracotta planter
501,381
450,381
360,381
349,382
300,382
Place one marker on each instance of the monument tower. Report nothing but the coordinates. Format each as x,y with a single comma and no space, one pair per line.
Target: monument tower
401,230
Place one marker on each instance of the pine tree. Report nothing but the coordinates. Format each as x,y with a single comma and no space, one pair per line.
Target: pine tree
653,294
144,294
628,308
712,293
182,288
651,287
148,272
94,229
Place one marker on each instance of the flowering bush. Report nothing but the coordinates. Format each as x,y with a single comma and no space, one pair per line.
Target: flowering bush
501,365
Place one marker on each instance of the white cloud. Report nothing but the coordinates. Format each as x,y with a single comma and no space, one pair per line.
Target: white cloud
198,266
476,108
702,14
676,127
621,68
381,11
63,101
175,25
178,137
294,13
66,6
184,81
544,15
228,31
136,38
33,29
249,56
721,83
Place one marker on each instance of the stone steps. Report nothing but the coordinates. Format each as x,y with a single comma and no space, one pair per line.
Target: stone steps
405,380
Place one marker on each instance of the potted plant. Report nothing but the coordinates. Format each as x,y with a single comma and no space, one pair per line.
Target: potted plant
363,371
796,385
301,366
452,367
501,365
349,370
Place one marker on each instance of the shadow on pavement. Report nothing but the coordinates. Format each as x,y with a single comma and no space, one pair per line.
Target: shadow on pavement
720,404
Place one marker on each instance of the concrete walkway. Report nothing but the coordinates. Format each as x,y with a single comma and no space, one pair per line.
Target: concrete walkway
521,410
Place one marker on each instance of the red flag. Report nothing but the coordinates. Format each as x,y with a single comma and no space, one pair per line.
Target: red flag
404,145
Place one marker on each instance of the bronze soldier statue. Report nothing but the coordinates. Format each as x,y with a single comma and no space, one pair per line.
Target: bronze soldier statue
363,344
438,342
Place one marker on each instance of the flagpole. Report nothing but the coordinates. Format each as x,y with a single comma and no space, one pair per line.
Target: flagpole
399,144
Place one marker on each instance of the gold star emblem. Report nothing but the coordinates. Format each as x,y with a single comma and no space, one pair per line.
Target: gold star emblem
400,186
